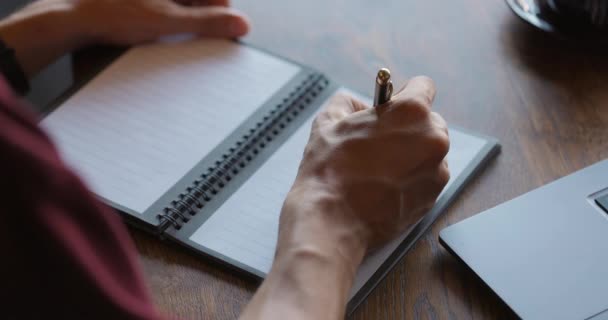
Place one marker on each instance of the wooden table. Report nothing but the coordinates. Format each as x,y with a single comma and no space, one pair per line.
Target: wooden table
546,101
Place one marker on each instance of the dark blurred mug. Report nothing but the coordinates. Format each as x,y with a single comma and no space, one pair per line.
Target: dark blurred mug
590,13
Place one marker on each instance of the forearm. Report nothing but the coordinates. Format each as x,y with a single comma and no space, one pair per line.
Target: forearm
315,266
302,286
41,33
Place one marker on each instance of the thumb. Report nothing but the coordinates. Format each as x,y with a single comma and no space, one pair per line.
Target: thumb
208,21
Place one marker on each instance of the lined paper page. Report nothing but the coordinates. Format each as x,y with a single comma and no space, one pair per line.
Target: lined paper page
144,122
245,228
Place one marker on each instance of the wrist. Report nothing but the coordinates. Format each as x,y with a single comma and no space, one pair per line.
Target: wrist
318,253
317,222
302,284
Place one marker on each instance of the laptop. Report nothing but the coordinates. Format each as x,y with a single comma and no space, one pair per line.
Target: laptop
544,253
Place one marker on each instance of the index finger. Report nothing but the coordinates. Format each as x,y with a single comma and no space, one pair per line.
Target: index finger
420,87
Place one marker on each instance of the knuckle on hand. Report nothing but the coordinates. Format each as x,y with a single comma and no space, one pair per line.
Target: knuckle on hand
443,174
412,109
438,121
342,127
318,121
438,143
421,103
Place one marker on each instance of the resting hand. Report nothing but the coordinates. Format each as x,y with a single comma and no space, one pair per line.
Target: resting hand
129,22
46,29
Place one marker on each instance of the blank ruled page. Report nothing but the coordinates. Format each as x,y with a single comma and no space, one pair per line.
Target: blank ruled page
145,121
245,228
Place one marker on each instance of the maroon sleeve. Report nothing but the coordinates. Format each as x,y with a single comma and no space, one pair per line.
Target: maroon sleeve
64,254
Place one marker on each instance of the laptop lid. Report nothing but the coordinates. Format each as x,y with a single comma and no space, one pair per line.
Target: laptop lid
544,253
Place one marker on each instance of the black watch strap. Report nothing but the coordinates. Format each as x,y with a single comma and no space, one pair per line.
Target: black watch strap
12,71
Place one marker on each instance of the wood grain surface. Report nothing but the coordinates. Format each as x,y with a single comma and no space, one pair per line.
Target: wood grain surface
546,100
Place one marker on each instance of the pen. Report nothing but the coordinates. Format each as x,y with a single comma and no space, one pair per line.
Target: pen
384,87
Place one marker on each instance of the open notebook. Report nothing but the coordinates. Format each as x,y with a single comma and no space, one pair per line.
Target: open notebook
200,142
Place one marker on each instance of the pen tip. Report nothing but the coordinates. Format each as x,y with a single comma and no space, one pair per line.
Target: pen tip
384,75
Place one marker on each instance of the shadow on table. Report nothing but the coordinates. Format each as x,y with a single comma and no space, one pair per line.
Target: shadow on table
461,282
549,56
579,68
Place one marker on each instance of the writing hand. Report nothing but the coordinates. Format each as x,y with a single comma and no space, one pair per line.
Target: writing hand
366,176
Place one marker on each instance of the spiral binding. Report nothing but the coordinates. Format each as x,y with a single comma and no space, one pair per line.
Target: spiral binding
210,183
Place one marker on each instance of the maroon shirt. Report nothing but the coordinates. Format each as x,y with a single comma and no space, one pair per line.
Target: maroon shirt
63,253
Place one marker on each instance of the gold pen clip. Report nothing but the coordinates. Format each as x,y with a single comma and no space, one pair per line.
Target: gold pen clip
384,87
